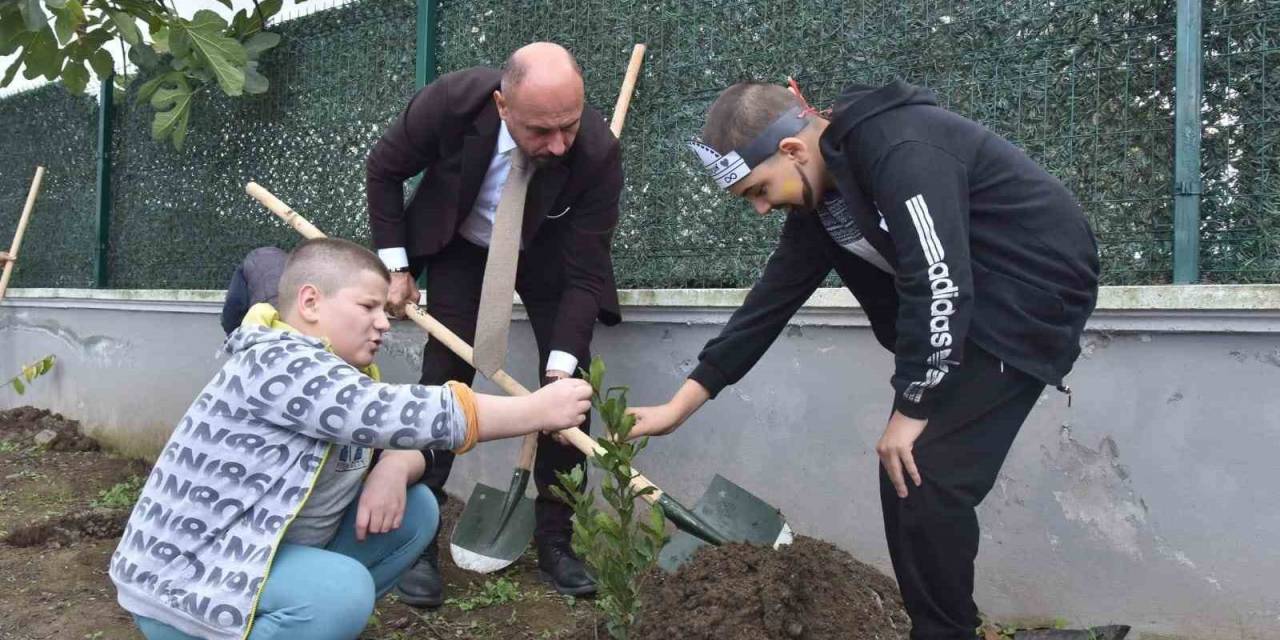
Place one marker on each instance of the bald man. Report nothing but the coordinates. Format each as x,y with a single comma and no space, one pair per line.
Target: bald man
463,132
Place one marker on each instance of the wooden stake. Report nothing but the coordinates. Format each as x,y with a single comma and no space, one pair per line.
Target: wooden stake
628,86
22,228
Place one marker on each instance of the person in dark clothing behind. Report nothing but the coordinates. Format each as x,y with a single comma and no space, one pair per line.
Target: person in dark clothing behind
256,279
975,267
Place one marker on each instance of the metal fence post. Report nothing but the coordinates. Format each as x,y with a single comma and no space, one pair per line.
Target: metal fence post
1187,132
428,17
425,71
105,112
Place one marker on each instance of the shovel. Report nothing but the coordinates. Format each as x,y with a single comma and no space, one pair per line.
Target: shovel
725,513
678,514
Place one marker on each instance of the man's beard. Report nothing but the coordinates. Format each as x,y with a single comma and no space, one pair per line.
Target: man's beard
810,202
546,161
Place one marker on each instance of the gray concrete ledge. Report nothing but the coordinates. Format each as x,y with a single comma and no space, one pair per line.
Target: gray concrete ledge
1167,308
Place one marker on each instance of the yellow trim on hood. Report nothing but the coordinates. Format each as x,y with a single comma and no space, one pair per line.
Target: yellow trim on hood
265,315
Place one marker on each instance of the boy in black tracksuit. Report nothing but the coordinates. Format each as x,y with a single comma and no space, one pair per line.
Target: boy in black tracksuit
974,266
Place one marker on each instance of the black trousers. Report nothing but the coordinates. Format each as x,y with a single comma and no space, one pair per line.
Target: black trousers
454,278
933,532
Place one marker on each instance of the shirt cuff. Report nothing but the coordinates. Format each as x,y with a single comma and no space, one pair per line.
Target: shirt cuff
561,361
394,257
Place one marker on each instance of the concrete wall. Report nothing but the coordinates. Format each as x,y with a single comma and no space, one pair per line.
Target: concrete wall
1150,501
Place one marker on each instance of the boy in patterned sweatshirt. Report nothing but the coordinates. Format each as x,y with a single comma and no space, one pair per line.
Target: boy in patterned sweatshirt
258,520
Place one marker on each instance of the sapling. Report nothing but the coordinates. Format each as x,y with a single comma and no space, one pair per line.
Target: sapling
617,543
29,373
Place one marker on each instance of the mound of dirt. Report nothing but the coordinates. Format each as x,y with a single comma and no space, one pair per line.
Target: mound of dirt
808,590
24,423
66,530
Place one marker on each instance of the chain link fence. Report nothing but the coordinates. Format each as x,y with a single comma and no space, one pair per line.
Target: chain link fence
1086,87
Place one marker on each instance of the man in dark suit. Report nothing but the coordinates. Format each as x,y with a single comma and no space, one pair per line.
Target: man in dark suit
512,162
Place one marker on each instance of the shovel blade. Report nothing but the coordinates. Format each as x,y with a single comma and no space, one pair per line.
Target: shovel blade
482,541
734,512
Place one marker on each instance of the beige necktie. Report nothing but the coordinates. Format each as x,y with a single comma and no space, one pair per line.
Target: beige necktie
494,321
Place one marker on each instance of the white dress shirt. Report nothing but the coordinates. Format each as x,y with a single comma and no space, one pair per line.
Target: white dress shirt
477,227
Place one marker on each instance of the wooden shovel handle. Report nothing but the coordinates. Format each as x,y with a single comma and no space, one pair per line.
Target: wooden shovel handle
291,217
22,229
628,87
574,435
529,446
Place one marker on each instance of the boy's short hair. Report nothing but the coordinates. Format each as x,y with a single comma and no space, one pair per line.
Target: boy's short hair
327,263
743,112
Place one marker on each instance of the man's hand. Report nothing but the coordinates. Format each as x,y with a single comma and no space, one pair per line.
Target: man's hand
895,447
403,289
381,507
5,256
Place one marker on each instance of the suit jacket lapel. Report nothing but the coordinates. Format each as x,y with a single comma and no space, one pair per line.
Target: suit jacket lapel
477,152
543,189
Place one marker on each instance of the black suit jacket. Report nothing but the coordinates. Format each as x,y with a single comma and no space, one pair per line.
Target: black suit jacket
449,131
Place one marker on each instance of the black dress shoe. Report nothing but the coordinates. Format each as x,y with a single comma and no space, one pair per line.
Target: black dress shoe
558,565
422,585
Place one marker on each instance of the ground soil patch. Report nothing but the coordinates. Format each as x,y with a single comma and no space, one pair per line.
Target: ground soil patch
808,590
55,545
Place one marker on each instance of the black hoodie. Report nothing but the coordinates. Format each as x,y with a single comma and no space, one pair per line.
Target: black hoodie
986,246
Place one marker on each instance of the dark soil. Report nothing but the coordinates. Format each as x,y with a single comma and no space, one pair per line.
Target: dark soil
69,529
808,590
54,544
23,423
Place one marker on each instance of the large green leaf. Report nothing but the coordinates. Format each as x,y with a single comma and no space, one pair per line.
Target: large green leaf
144,57
254,82
9,44
128,27
240,23
148,88
224,56
259,43
102,63
32,15
12,26
252,20
95,38
172,102
11,72
42,56
269,8
67,19
160,40
75,77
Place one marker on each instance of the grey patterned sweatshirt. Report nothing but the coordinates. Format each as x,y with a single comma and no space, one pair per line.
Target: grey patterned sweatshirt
239,466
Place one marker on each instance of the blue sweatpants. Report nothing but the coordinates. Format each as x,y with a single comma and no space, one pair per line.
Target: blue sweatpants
328,594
